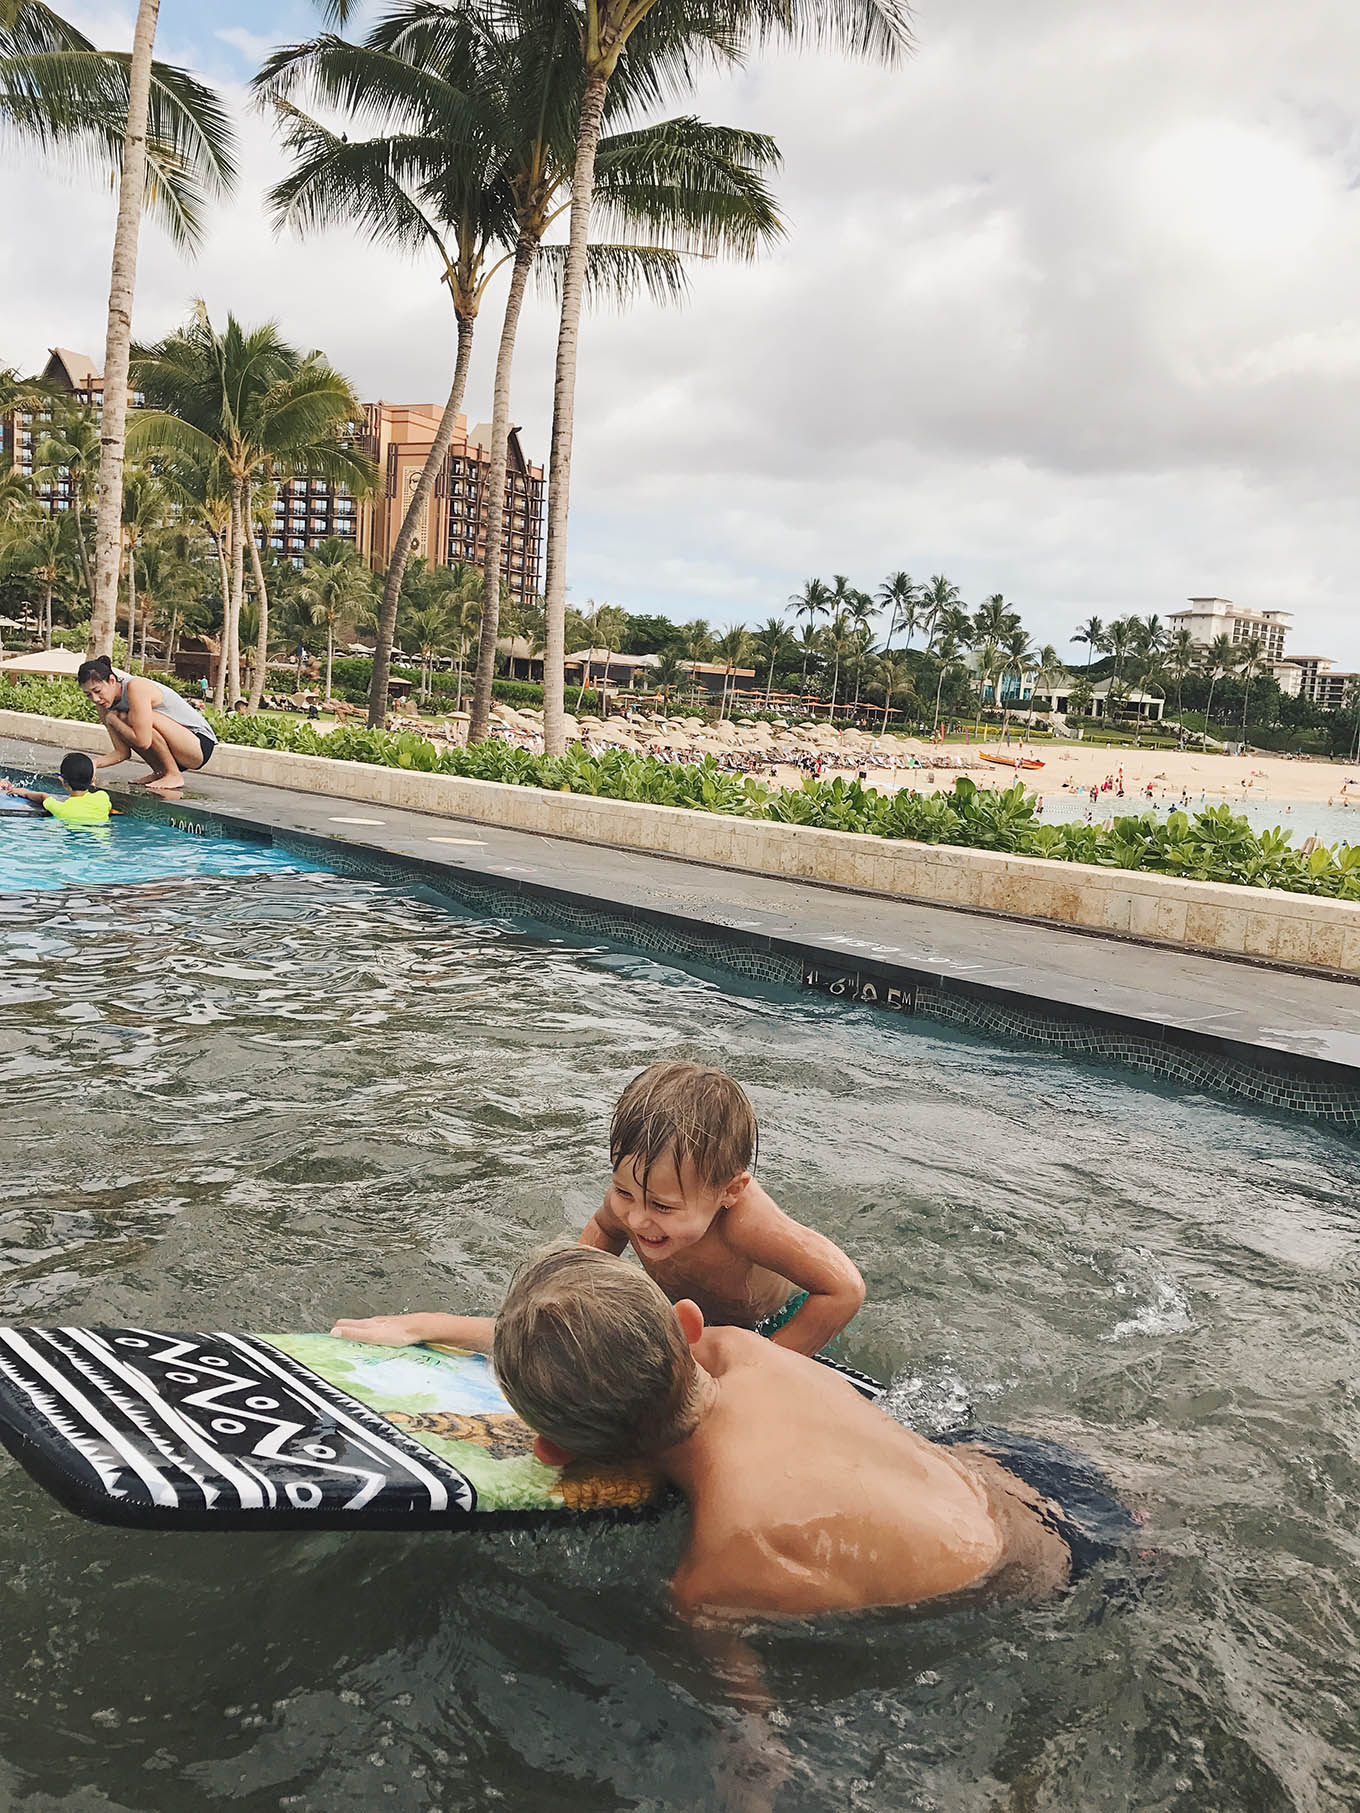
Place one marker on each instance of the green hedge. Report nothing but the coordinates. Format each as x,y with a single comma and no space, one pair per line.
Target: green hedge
1211,845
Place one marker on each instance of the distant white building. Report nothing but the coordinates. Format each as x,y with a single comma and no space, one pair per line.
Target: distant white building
1209,618
1320,681
1055,698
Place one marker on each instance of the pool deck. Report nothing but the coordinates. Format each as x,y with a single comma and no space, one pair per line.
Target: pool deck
857,945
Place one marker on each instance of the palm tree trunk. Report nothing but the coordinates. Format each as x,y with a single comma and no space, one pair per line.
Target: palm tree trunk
939,688
47,616
172,643
564,399
238,584
83,553
132,606
526,250
1209,708
118,341
1246,694
220,684
769,682
262,639
406,537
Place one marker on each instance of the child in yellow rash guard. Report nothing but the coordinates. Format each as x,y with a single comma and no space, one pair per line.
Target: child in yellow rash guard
82,806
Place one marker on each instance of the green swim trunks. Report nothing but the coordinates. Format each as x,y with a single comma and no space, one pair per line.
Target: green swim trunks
778,1318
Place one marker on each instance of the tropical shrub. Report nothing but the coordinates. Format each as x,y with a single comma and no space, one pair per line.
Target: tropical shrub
1214,844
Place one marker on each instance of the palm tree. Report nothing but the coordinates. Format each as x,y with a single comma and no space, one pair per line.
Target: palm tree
1018,651
809,640
72,447
660,37
899,596
990,665
170,142
1047,671
1092,633
938,599
947,651
43,549
145,509
836,641
1181,654
334,588
771,641
862,611
1220,658
994,620
895,677
1251,653
669,671
248,403
812,602
1119,640
731,650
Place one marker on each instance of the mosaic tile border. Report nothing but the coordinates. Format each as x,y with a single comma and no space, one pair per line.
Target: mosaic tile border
1272,1081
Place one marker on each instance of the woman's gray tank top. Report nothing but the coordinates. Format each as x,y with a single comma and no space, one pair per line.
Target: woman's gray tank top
178,710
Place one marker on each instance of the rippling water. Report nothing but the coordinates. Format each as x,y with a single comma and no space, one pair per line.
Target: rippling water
269,1102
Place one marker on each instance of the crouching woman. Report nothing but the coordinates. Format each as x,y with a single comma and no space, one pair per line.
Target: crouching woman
147,720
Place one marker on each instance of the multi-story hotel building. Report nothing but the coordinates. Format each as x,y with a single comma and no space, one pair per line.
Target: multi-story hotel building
1320,681
1209,618
306,511
397,437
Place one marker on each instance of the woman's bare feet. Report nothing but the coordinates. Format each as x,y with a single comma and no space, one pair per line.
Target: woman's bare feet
164,783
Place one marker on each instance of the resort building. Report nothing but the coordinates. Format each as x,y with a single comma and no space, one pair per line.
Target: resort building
1132,700
1319,681
1209,618
397,438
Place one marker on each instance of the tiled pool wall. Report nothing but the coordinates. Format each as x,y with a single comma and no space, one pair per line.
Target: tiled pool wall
1320,1092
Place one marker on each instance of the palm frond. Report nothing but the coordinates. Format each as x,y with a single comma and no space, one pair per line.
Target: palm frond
617,274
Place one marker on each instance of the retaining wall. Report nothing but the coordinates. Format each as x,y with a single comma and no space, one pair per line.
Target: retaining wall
1298,929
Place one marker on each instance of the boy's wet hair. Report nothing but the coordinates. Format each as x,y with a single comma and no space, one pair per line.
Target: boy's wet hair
77,771
590,1354
101,668
691,1113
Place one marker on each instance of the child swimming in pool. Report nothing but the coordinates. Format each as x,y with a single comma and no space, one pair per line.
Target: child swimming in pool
83,804
803,1498
682,1141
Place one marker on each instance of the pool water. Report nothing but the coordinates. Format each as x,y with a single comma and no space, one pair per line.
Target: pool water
39,853
265,1101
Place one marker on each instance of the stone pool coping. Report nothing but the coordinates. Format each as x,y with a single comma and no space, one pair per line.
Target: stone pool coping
1278,1038
1302,930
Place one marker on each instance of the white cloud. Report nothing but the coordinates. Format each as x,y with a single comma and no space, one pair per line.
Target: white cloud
1067,310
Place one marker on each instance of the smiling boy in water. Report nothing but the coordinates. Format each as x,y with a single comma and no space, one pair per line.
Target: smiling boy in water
681,1144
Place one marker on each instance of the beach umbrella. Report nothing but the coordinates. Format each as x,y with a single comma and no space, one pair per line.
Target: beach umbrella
62,662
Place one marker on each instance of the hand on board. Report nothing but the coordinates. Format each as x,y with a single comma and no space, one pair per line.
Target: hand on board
381,1331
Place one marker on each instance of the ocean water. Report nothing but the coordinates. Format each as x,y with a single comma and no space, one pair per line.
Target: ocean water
267,1100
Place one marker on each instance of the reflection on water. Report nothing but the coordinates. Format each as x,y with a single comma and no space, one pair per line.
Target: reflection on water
268,1102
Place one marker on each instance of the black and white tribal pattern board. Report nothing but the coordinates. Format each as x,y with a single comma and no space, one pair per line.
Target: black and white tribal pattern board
177,1431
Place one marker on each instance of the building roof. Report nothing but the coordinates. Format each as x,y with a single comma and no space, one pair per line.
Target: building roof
598,656
718,667
78,369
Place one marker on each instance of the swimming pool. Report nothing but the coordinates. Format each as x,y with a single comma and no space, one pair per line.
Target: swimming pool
267,1100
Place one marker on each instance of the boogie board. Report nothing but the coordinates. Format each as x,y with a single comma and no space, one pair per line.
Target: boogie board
164,1431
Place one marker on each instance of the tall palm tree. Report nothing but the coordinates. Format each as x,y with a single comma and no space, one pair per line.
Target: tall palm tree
146,508
770,642
1182,651
836,643
248,403
899,595
169,140
1092,633
1046,671
335,587
72,448
656,36
990,663
947,651
669,671
809,640
939,597
1220,658
894,675
731,651
862,611
43,548
1018,653
1120,640
1251,653
994,620
812,602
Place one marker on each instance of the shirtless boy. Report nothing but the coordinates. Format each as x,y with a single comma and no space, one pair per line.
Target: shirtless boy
681,1143
803,1498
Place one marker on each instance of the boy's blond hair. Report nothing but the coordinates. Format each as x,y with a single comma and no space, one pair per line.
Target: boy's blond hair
690,1112
589,1352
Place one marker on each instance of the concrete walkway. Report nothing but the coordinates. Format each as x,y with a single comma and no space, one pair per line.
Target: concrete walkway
1230,1005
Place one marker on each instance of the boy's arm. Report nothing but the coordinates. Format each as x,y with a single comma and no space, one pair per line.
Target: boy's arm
758,1229
27,793
476,1333
604,1231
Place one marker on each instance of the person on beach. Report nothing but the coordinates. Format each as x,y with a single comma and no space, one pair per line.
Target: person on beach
144,718
803,1498
682,1141
80,805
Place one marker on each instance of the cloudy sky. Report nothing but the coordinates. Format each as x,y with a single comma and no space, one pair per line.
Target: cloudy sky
1067,310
